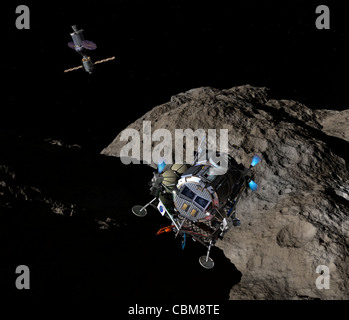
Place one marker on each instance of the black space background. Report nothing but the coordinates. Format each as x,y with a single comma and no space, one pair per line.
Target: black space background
163,48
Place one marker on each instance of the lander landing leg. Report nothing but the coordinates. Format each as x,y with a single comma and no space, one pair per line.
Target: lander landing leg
206,261
141,211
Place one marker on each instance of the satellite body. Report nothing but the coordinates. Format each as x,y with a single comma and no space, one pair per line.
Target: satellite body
80,45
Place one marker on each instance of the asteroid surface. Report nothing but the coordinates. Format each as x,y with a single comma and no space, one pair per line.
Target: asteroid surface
298,218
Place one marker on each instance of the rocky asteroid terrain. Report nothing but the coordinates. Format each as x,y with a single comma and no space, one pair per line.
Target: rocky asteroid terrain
298,218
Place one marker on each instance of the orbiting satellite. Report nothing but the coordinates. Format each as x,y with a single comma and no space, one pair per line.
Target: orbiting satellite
80,45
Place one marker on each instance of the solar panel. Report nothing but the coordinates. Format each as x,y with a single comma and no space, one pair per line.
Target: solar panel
71,45
74,46
89,45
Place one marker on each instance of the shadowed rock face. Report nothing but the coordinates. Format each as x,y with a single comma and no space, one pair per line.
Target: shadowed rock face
299,217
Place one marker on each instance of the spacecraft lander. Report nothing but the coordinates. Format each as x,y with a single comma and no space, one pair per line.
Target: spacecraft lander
199,201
